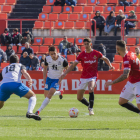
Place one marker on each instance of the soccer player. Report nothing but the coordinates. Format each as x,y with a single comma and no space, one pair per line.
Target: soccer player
132,70
56,64
89,60
11,83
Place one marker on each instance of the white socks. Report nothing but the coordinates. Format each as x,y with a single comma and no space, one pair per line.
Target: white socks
44,104
57,93
32,103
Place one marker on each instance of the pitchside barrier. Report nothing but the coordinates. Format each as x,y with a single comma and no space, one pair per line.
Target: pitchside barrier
71,82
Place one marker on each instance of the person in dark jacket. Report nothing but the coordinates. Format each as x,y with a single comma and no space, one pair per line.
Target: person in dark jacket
34,62
125,3
75,68
42,59
99,22
130,24
119,19
102,49
6,37
27,49
27,36
25,60
73,48
3,56
9,52
110,23
59,2
71,3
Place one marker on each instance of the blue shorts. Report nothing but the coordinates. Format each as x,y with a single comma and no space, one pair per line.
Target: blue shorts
9,88
51,83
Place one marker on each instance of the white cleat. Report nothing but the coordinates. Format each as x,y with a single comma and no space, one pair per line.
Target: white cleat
91,111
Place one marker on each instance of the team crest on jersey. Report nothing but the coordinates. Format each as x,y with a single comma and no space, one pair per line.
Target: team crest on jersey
94,57
59,63
85,57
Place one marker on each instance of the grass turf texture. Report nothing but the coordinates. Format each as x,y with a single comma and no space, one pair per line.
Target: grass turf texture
111,122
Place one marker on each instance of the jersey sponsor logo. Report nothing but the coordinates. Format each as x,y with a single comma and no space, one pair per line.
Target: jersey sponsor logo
59,63
126,62
137,95
91,62
94,57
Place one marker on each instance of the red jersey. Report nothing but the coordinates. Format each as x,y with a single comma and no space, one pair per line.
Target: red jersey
89,62
131,62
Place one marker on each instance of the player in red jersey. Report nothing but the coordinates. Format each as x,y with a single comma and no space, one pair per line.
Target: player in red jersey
131,70
89,60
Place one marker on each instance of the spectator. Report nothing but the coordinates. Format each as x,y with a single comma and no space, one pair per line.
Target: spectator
130,24
75,68
25,60
16,37
137,51
119,19
99,22
3,56
73,48
42,58
6,37
102,49
110,23
27,49
59,2
41,66
125,3
9,52
27,36
34,62
71,3
63,46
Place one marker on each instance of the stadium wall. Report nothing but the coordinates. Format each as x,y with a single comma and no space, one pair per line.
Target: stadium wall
71,81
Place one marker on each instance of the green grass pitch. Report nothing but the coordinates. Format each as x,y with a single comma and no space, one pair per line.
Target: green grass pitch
110,122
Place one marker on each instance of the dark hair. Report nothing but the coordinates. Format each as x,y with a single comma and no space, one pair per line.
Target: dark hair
109,17
14,59
87,39
121,43
16,29
52,49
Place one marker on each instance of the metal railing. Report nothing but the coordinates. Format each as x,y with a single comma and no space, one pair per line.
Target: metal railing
94,27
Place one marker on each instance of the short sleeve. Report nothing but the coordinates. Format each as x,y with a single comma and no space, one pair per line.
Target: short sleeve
23,67
46,63
65,63
100,55
126,63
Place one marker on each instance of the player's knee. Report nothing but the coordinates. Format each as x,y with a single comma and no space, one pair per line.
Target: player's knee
138,105
79,98
1,104
91,90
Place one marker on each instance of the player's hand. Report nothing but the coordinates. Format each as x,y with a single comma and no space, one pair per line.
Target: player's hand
108,84
112,68
30,83
61,78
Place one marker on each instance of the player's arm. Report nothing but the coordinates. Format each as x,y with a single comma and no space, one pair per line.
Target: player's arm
124,76
65,64
27,76
45,71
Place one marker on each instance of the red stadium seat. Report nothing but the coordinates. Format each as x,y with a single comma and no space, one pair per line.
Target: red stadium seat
53,17
2,2
69,25
63,17
73,17
3,65
57,49
136,2
88,24
59,25
88,9
50,2
131,41
112,2
15,49
35,49
70,40
67,9
80,68
79,41
99,8
57,9
7,9
79,25
116,66
108,9
91,2
92,16
46,9
19,55
3,16
71,58
138,25
81,2
105,15
44,49
138,9
129,8
4,48
132,48
82,48
47,25
117,8
84,17
21,48
38,41
102,2
118,58
139,42
43,17
38,25
48,41
58,40
0,8
78,10
11,2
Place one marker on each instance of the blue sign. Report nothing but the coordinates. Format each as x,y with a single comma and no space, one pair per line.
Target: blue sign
134,1
59,23
43,16
126,16
67,9
109,8
22,48
39,57
38,40
84,16
92,1
51,1
80,40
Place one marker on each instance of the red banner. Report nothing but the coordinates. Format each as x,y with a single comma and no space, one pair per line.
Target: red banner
71,82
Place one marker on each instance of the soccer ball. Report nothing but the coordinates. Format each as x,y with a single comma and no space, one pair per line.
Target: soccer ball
73,112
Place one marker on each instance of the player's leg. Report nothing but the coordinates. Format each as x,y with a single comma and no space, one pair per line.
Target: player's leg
1,104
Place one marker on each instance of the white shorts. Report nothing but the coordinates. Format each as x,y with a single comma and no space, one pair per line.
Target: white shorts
131,91
84,82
